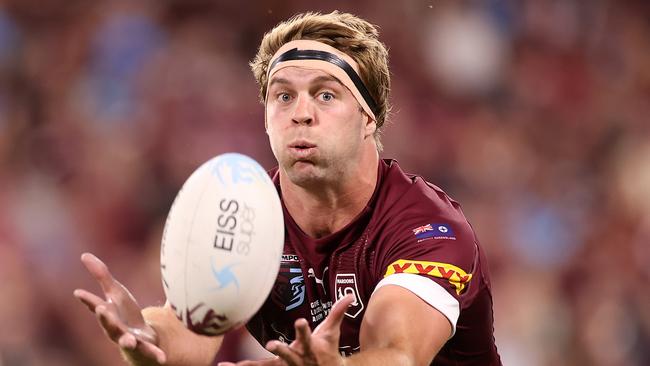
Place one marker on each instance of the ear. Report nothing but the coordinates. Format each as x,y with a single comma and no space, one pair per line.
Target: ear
370,126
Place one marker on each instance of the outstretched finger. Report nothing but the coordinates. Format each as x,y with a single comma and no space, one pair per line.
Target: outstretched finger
112,325
283,351
89,299
265,362
99,271
303,335
127,341
152,351
335,317
130,343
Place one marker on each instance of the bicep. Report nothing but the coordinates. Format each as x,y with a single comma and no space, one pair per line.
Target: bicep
397,318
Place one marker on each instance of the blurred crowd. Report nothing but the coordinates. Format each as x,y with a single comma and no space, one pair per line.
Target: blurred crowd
534,114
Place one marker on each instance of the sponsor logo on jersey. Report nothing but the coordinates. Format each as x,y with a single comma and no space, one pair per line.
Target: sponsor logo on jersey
346,284
454,275
290,258
297,290
319,281
289,289
434,231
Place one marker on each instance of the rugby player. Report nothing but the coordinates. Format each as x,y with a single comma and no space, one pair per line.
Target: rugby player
380,267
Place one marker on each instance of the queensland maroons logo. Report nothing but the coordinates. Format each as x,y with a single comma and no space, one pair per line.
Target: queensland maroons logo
346,284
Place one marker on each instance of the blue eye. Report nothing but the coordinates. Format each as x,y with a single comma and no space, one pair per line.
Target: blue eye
284,97
327,96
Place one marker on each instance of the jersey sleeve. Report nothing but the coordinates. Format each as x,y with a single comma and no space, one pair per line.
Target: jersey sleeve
431,255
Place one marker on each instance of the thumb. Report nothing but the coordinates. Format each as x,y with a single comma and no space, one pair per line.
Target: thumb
335,317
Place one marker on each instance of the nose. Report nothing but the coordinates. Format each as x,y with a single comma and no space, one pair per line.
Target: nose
303,112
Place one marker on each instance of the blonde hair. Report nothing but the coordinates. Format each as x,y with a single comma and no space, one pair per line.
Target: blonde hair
345,32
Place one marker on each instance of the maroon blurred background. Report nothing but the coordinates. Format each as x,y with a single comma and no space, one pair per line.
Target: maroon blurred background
535,115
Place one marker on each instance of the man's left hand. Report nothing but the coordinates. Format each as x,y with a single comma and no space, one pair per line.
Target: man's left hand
317,348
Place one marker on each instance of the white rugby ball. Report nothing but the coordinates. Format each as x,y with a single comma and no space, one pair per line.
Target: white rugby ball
222,244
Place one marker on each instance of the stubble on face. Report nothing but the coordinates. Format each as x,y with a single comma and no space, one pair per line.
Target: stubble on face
336,134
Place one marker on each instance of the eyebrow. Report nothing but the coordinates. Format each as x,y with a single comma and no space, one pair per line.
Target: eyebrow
318,79
278,81
326,78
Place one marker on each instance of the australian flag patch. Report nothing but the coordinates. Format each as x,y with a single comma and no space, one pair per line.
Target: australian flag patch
434,231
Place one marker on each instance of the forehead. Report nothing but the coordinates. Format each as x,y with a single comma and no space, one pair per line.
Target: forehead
297,74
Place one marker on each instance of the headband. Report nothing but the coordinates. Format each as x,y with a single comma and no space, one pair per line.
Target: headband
320,56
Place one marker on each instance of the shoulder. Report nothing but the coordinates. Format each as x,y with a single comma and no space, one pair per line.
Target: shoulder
423,242
399,187
416,220
408,201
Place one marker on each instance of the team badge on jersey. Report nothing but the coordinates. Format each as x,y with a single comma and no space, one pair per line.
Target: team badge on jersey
346,284
434,231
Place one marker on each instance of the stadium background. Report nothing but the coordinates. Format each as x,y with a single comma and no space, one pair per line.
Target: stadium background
533,114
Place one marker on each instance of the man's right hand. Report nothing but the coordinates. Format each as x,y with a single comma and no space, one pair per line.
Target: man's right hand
120,315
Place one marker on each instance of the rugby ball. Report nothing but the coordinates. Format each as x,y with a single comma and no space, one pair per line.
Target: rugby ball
221,245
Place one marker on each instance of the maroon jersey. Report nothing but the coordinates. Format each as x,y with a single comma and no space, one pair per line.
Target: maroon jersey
410,234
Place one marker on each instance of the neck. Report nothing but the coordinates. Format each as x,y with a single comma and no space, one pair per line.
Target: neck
326,209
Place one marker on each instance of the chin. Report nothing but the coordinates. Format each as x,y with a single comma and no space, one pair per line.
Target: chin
304,174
